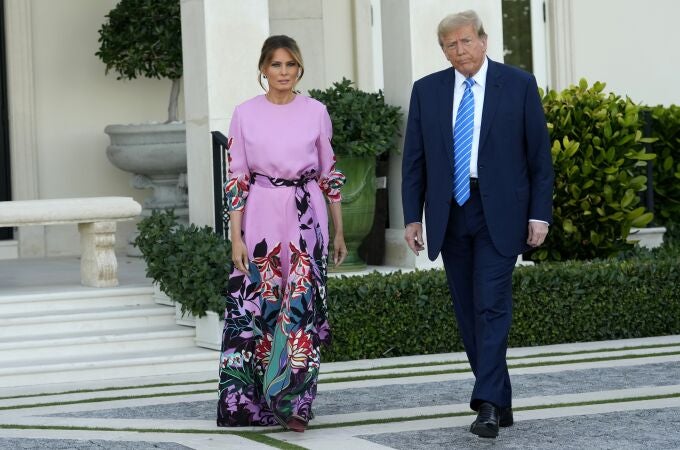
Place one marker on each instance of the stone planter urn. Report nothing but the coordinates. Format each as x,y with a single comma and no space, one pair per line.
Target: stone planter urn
358,208
155,155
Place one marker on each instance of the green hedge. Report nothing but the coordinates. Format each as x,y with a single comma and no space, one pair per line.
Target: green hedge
666,129
411,313
600,169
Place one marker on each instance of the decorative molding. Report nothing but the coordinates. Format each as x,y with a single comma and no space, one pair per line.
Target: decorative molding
560,23
22,122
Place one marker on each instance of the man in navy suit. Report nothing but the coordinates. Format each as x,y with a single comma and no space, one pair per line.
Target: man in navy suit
477,159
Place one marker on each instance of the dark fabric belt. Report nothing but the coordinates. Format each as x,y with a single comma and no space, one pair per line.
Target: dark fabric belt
267,181
474,183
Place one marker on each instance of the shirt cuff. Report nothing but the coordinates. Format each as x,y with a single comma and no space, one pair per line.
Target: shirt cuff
540,221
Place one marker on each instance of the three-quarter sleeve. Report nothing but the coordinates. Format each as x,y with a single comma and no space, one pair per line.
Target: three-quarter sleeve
238,178
331,180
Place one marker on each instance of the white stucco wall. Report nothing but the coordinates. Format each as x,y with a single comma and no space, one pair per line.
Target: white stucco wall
74,101
324,31
629,44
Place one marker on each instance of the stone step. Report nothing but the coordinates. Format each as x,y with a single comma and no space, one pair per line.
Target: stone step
104,366
83,320
36,302
26,348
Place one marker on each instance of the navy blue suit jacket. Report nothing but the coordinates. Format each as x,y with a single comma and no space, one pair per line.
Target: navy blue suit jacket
514,161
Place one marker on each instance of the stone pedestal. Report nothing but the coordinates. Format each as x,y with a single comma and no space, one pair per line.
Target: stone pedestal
98,265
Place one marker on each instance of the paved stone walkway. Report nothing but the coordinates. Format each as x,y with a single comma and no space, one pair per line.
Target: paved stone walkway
602,395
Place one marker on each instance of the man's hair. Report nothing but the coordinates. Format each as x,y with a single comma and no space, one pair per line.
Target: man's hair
453,22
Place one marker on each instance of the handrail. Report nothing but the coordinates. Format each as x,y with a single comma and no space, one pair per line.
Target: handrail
219,165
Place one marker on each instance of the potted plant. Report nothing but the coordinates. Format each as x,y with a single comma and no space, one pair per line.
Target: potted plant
143,38
364,126
191,265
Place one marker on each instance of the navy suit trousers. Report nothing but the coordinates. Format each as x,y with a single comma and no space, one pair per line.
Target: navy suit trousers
480,281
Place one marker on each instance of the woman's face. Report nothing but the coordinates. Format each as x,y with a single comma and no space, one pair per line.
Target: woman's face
282,71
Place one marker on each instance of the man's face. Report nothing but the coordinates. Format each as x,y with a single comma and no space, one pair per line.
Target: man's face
464,50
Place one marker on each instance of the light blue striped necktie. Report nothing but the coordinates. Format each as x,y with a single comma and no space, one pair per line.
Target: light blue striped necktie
463,130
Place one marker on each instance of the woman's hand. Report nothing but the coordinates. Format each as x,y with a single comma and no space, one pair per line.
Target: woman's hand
239,255
339,249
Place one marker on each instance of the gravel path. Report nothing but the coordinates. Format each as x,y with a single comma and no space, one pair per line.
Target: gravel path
657,429
72,444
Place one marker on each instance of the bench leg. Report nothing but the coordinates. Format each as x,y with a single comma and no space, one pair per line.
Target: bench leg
98,264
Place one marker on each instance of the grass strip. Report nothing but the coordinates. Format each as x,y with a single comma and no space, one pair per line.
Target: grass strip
538,355
256,435
108,399
321,381
472,413
510,366
116,388
394,366
263,438
342,380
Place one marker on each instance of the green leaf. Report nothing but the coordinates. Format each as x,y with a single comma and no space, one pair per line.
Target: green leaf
643,220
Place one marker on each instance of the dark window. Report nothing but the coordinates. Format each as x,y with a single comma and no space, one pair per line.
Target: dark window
517,33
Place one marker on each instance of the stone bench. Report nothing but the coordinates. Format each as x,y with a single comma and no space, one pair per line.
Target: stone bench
96,218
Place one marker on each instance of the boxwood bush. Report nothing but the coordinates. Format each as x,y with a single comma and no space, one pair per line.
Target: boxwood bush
190,264
410,313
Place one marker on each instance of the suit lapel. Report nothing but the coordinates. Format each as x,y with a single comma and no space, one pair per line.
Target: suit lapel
492,95
445,112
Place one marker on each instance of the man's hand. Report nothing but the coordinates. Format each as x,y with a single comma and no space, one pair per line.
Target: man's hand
537,233
413,234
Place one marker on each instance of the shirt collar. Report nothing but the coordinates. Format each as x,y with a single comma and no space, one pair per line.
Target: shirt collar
479,77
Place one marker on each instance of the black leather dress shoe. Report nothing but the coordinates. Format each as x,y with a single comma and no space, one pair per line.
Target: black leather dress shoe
505,419
486,424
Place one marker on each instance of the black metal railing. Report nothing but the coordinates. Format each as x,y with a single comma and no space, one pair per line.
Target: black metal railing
5,173
219,159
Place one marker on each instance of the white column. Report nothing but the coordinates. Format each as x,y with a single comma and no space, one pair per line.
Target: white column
411,51
221,42
22,123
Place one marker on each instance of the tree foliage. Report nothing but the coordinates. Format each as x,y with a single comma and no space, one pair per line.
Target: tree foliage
143,38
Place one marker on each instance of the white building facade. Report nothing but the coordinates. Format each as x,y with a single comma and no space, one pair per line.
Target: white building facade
58,99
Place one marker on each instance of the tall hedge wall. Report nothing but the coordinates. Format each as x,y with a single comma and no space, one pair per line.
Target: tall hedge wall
410,313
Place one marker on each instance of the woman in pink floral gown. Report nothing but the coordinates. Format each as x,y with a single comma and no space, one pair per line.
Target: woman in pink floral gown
280,166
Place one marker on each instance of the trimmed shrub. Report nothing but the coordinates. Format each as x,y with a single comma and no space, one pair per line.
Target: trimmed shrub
411,313
666,128
599,166
363,124
190,264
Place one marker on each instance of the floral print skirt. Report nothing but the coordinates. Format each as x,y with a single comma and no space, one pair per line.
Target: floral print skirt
275,317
